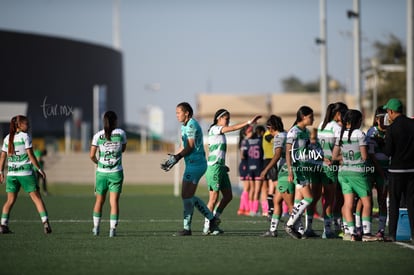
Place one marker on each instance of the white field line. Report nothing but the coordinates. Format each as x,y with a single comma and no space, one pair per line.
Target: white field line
403,244
126,221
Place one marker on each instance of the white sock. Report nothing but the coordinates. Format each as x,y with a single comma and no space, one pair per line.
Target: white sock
113,223
297,210
44,219
357,220
96,221
273,224
366,227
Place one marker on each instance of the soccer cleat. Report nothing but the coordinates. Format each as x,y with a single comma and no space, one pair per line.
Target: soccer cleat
112,232
270,234
356,238
242,212
292,232
4,229
380,235
214,223
216,232
369,238
95,231
339,233
389,239
347,237
309,233
206,231
328,235
46,227
183,232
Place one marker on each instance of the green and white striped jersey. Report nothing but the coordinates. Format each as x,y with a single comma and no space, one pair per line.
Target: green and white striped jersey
351,151
110,151
299,138
328,136
18,163
217,146
279,141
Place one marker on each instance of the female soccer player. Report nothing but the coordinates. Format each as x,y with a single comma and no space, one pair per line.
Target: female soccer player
351,150
17,147
217,171
111,142
285,190
244,208
298,140
192,150
328,131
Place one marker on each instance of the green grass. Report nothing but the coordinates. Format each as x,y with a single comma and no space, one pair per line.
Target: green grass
145,245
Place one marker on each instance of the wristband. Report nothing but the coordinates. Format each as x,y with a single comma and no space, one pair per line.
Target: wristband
178,156
249,122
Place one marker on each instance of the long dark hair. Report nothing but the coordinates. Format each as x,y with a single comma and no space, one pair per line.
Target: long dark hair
276,123
353,117
186,108
14,124
331,111
219,114
302,112
109,121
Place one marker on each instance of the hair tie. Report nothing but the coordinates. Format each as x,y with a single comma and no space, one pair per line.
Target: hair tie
222,114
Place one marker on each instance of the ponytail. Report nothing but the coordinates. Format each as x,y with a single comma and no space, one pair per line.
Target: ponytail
109,120
14,125
302,112
328,115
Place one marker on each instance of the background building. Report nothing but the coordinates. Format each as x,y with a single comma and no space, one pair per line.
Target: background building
55,78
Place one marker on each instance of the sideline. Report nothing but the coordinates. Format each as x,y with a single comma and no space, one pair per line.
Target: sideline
406,245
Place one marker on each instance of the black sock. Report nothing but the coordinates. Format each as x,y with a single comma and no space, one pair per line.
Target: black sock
270,203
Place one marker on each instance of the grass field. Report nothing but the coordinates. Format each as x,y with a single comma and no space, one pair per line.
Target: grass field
145,245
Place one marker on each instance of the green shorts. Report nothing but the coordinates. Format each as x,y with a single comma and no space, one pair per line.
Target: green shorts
330,174
283,185
109,181
326,175
28,183
302,174
354,182
217,177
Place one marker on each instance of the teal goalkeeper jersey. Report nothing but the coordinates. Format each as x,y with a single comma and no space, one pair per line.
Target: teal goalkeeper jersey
192,130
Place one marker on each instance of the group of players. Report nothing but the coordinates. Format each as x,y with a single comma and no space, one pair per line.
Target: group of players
335,163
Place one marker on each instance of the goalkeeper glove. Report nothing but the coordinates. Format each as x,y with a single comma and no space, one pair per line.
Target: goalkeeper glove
170,162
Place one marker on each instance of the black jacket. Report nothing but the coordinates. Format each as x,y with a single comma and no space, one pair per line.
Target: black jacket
399,143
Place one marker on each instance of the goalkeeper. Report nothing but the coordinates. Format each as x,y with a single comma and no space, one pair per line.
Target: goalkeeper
192,149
